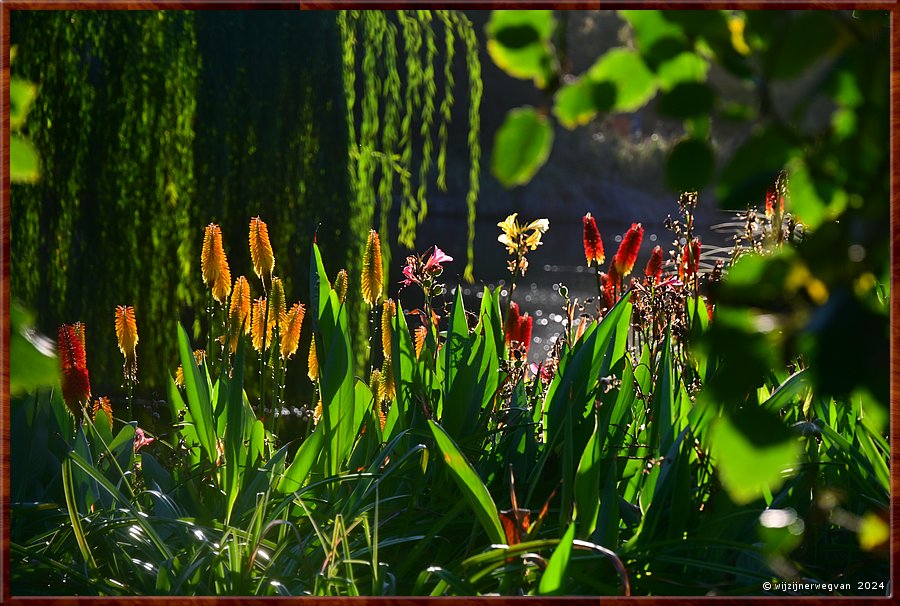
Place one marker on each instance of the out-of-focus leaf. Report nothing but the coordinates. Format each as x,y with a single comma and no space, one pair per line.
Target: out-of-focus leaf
689,166
625,70
23,160
471,486
32,356
578,102
683,68
518,42
781,531
753,451
751,170
657,39
21,96
807,201
873,532
686,99
805,39
521,146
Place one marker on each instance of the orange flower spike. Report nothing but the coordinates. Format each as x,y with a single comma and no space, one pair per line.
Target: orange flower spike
313,361
609,297
372,278
290,339
256,325
261,249
239,314
126,334
387,388
278,303
387,315
76,384
209,262
102,404
654,265
593,244
628,250
340,285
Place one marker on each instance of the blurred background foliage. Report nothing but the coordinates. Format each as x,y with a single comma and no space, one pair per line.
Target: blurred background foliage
152,124
821,300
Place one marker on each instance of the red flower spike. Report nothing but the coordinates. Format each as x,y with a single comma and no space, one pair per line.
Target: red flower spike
512,323
524,333
608,290
654,265
76,385
593,244
628,250
690,262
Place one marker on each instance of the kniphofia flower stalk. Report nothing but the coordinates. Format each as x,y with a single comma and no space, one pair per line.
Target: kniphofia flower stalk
628,250
593,244
372,278
340,285
127,336
214,264
261,250
654,265
387,315
290,339
76,384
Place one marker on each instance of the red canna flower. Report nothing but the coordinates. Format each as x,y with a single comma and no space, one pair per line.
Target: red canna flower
76,384
654,265
593,244
690,260
628,250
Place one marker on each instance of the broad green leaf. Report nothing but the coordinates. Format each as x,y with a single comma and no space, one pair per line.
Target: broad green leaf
235,458
587,484
812,202
32,356
521,146
663,405
185,429
689,166
576,103
656,38
792,388
518,42
338,394
21,96
74,517
633,82
198,403
295,475
471,486
686,100
553,581
23,160
682,68
753,451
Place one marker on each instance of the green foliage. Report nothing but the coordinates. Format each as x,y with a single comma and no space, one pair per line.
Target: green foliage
522,146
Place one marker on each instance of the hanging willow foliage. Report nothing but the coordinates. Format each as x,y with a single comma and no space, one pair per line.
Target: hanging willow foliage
392,123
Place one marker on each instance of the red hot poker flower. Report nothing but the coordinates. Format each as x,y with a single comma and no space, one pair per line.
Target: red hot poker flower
628,249
526,323
76,384
609,298
654,265
690,261
512,323
593,244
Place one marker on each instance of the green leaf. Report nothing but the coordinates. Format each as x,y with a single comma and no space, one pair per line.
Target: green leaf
587,484
576,103
521,146
32,356
625,70
471,486
752,169
234,431
686,100
685,67
198,403
807,38
753,450
518,42
23,160
307,454
808,203
657,39
689,166
553,581
21,96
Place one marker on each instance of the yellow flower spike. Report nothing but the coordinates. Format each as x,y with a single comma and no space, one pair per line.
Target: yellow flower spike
387,387
239,312
313,361
126,333
317,413
340,285
278,304
256,325
179,376
261,250
290,339
387,315
214,264
372,279
375,384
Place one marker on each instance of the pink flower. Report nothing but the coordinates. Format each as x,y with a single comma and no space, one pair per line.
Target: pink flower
409,274
141,440
436,258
